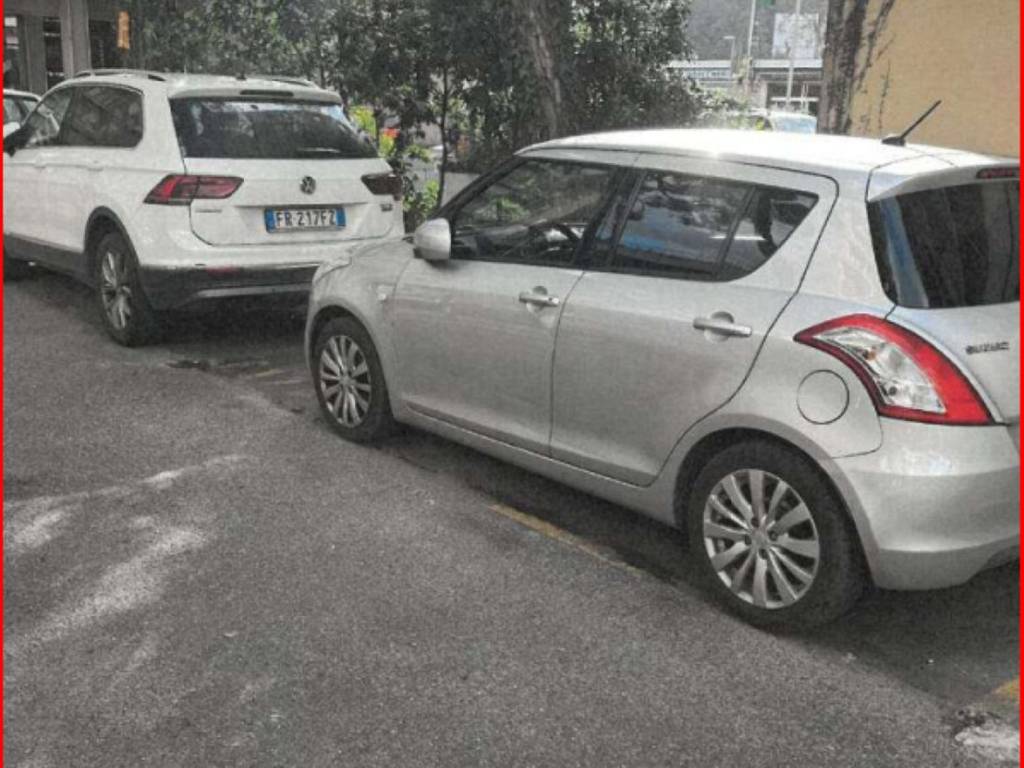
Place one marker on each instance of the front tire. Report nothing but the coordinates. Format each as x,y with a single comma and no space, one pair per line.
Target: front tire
349,382
775,544
124,308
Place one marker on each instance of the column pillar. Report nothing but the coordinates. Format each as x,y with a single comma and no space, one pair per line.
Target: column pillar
74,36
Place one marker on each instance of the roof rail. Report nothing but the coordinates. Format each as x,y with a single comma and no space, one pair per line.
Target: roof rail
159,77
288,80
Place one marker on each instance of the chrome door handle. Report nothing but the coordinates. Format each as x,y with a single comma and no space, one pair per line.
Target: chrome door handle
721,323
539,299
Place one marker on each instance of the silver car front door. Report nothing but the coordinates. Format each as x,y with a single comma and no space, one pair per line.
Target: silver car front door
475,335
664,325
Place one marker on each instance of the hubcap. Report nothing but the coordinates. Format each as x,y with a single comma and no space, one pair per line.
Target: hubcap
761,539
345,380
115,290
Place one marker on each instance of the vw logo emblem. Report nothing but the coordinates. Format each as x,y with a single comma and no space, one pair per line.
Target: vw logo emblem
308,185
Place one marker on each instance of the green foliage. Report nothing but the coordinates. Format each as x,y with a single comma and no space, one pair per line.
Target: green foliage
465,65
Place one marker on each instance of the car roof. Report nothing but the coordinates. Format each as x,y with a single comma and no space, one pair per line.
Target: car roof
20,94
817,153
183,83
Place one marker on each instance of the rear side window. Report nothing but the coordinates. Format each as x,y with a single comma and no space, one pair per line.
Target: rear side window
677,226
768,220
265,129
103,116
696,228
949,247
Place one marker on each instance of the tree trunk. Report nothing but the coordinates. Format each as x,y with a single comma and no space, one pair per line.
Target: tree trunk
443,125
845,27
538,24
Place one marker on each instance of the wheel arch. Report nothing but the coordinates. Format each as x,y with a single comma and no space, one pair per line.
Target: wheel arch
100,222
709,445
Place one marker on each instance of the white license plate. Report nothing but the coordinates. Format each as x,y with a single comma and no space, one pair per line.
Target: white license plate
288,219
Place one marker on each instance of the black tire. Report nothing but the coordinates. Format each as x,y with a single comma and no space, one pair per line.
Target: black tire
16,269
351,419
839,575
124,308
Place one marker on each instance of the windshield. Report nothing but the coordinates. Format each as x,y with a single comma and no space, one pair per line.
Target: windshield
795,123
949,247
16,108
243,128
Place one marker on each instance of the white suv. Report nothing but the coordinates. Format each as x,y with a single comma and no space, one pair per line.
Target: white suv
163,191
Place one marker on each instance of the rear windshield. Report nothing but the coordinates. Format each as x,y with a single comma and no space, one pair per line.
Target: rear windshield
949,247
272,130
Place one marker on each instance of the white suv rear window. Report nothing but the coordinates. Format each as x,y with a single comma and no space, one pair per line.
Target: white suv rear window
265,129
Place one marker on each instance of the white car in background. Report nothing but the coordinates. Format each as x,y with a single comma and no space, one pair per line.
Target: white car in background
17,105
165,190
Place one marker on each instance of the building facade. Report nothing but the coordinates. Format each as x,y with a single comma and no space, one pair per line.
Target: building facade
915,52
46,41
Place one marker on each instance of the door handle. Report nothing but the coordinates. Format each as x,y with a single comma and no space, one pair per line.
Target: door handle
722,324
538,299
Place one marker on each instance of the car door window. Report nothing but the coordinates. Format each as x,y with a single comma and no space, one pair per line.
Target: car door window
678,226
43,126
103,116
537,213
770,217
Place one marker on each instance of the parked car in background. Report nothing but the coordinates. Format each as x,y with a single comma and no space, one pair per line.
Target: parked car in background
165,191
17,105
766,120
803,350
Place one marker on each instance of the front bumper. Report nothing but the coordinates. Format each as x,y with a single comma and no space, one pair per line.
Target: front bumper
935,504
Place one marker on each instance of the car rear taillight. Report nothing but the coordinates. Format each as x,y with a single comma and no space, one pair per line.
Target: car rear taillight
178,189
384,184
907,377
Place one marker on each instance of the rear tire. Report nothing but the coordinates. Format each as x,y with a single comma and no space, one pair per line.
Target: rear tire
774,543
124,308
349,382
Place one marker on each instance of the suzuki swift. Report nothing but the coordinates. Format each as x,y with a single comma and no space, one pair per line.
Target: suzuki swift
803,350
165,191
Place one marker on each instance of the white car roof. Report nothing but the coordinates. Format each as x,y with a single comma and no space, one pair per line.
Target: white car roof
20,94
815,153
175,84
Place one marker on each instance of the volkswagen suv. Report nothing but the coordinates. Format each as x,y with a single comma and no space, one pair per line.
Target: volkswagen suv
163,191
803,350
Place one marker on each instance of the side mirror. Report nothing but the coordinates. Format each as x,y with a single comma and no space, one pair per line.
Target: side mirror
432,240
14,139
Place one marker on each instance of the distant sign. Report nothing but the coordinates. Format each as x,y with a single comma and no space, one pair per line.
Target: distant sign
800,33
707,73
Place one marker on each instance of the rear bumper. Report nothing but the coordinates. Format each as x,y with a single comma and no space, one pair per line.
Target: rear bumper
935,505
174,288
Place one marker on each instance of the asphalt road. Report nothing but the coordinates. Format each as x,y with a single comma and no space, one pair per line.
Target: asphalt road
198,573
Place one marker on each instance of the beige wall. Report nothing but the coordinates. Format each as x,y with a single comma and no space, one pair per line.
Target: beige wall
965,52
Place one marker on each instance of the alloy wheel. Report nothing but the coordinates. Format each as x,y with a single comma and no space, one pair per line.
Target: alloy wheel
761,539
345,380
115,289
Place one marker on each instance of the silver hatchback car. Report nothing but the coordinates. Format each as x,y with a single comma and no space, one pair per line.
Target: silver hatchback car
803,350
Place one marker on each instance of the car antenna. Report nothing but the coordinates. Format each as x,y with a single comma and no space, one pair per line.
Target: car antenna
900,139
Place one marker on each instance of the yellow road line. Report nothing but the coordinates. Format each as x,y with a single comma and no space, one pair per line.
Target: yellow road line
1010,691
560,535
265,374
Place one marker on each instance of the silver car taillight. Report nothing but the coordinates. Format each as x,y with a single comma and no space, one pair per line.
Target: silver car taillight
907,377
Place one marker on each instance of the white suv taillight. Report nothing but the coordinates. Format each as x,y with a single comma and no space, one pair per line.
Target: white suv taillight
178,189
907,377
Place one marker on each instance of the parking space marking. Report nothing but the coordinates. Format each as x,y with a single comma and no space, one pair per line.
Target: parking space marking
562,536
